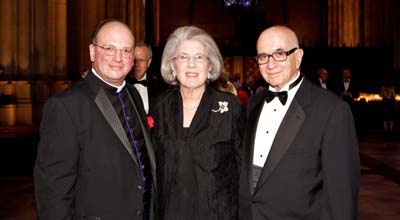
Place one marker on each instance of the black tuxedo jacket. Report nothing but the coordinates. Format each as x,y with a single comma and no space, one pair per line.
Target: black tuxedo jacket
85,167
154,87
353,89
312,170
327,83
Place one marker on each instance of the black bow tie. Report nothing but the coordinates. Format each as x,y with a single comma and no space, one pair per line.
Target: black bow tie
270,95
142,82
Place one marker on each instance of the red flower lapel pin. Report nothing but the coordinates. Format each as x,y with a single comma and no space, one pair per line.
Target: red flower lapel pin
150,121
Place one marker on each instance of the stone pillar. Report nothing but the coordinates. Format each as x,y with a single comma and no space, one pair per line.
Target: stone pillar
22,38
7,35
397,37
343,23
57,34
33,36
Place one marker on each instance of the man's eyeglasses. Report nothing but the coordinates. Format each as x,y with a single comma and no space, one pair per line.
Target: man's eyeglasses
111,51
141,61
278,56
184,58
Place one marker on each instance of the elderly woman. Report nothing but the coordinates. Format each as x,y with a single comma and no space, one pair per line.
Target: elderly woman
197,132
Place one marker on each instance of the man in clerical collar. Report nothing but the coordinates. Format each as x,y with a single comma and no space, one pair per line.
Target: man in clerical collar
95,158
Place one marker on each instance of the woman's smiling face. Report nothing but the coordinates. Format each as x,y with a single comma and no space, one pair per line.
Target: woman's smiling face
191,64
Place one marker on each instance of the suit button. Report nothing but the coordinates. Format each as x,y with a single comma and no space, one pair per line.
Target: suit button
139,212
139,187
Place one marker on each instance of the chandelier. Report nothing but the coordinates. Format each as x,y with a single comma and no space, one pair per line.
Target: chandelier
245,3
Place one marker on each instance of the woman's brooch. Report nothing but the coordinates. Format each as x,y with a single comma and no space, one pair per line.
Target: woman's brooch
223,107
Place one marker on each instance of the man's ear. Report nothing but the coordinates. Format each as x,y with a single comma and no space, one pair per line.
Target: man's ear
299,57
148,65
92,53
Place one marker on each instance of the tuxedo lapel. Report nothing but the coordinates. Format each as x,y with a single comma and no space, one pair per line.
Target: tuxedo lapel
287,131
111,116
150,88
253,116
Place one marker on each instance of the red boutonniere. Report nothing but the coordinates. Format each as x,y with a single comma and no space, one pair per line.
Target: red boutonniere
150,121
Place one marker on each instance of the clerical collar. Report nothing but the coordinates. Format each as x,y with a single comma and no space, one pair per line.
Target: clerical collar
293,83
118,88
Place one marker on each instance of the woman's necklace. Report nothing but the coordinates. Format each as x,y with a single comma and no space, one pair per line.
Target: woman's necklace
192,98
190,106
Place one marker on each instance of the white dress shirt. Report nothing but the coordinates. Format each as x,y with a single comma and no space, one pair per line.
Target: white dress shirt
346,85
271,116
144,94
323,84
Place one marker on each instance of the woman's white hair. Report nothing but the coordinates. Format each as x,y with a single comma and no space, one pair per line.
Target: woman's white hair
190,33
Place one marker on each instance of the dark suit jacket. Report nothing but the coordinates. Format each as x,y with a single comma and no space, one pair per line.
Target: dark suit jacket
85,167
154,87
353,89
312,170
328,84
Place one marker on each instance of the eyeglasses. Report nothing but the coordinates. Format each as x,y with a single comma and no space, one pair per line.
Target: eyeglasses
111,51
141,61
184,58
278,56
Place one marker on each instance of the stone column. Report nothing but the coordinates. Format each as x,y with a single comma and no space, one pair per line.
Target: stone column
397,37
8,29
57,35
343,23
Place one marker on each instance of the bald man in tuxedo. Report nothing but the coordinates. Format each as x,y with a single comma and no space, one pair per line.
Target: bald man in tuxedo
300,148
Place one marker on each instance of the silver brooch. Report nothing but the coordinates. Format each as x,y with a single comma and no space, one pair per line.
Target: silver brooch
223,107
